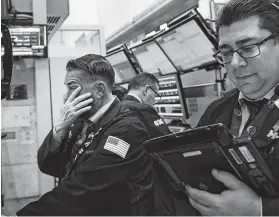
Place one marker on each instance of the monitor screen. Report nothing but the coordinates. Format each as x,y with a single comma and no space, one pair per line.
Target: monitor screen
187,46
123,68
28,41
152,59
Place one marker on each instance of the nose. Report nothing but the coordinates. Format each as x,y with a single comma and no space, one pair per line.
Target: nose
238,61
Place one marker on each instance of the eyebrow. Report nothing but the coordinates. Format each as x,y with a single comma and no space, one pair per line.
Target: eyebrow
245,40
70,82
239,42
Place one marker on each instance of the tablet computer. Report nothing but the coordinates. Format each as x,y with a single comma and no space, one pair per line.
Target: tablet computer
191,155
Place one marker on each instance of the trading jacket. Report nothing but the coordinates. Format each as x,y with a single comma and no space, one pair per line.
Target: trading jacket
98,181
148,115
222,110
156,127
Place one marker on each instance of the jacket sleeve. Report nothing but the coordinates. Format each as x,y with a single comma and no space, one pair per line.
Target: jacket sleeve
51,160
91,183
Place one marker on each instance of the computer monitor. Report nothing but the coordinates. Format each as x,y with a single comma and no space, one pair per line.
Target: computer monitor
124,70
28,41
187,45
152,59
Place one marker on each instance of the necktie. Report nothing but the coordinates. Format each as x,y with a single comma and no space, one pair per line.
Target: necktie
254,108
79,132
83,131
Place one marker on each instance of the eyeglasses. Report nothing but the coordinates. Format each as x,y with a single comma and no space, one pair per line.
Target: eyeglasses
246,52
156,93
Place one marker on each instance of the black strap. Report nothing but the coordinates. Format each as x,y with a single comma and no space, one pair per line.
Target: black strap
259,113
80,150
254,108
260,118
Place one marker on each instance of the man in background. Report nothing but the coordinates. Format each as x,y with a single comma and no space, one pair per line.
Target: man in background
142,91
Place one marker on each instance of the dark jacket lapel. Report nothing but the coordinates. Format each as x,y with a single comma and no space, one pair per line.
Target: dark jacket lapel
221,110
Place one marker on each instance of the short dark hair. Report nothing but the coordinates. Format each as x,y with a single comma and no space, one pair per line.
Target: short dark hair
237,10
141,80
119,91
95,65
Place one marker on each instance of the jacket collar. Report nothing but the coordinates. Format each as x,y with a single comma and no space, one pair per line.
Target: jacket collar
267,96
99,114
132,98
228,104
111,112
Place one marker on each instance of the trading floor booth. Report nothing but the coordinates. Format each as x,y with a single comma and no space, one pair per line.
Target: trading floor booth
171,106
190,45
185,50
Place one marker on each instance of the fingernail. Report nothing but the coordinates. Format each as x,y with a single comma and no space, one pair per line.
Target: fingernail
187,187
214,171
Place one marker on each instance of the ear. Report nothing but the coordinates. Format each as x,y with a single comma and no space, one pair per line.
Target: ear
145,90
101,88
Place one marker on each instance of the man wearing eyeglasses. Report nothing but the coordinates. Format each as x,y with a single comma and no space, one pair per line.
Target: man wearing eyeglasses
249,51
142,93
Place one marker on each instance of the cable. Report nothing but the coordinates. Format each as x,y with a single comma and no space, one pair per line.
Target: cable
210,20
6,41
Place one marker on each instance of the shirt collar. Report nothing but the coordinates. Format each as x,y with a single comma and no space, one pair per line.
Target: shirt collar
130,94
267,96
94,118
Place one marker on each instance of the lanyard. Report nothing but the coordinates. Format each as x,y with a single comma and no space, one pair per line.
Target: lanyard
257,122
83,147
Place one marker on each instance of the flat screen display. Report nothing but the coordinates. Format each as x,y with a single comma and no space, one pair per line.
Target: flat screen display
187,46
123,68
152,59
28,41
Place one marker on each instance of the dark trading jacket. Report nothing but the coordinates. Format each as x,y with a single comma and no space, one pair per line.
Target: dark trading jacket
148,115
222,110
100,182
151,119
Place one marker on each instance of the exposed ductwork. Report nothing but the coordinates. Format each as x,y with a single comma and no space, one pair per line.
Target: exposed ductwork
149,20
20,12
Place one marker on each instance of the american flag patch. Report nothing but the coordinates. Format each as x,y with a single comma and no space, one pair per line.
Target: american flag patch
117,146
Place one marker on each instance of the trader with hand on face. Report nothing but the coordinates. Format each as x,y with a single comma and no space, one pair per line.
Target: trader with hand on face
96,150
248,33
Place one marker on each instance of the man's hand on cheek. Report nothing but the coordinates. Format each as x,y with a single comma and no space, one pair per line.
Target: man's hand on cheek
239,199
74,107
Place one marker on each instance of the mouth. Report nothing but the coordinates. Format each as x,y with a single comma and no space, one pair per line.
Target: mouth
244,76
